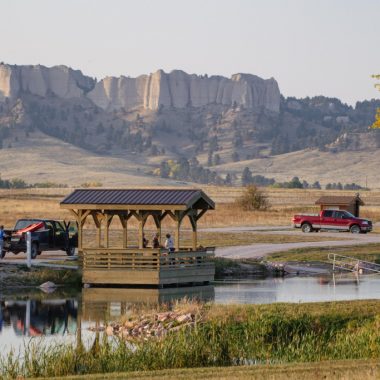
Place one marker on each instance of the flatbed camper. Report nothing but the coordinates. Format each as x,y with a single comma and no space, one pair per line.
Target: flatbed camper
138,265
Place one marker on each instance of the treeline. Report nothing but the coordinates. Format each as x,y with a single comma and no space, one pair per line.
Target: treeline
18,183
247,178
190,170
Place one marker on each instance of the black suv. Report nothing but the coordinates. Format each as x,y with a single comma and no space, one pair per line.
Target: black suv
47,235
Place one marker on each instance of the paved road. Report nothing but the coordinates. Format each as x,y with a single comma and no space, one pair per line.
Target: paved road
11,258
258,251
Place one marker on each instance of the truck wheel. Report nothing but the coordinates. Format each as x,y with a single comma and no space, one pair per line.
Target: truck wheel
306,227
34,250
355,229
70,251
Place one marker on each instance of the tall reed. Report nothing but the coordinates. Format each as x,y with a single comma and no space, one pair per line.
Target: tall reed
228,336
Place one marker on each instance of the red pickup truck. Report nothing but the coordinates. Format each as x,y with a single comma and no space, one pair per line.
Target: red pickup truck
337,220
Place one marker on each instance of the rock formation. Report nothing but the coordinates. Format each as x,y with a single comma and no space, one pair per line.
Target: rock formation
60,81
176,89
179,90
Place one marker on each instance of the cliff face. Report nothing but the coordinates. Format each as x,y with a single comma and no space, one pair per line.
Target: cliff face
176,89
179,90
60,81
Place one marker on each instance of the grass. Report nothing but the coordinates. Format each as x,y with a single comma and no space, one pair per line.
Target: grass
227,336
343,369
367,252
44,203
13,276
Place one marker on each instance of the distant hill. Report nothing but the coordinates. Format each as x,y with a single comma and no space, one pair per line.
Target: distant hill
218,125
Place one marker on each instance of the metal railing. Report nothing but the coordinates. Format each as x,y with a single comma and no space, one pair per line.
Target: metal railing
353,264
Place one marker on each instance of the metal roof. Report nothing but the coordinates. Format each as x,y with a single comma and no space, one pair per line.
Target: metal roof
137,197
338,200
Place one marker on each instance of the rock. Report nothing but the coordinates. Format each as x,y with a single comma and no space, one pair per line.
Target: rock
48,287
60,81
129,324
184,318
109,330
180,90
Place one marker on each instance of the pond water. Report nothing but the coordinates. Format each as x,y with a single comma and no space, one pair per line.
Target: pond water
60,317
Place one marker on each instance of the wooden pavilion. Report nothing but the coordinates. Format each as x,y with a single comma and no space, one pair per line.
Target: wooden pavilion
140,265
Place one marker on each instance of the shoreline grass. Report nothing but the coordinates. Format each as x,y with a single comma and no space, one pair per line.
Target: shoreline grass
230,336
342,369
366,252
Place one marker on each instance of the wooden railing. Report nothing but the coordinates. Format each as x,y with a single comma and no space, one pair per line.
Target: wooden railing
146,259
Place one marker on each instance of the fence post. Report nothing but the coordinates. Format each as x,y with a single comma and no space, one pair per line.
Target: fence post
29,249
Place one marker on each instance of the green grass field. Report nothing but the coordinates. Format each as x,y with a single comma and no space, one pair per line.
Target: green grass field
343,369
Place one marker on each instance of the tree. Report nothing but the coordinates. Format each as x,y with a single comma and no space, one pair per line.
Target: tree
252,199
246,177
164,169
376,124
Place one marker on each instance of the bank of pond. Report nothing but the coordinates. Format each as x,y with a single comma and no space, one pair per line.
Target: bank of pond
224,324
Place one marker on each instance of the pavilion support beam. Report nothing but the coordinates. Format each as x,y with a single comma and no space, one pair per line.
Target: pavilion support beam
124,224
107,220
98,223
157,222
193,222
178,216
141,216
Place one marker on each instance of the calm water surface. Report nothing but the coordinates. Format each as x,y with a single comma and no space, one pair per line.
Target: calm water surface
60,318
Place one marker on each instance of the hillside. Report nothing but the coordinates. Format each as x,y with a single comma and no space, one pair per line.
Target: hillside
140,127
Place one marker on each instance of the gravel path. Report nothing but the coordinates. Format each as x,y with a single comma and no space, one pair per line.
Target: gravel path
257,251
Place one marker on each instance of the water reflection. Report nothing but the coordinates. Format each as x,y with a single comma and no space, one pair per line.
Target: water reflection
339,287
39,317
63,318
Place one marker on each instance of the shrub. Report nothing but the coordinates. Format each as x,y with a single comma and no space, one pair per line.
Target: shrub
253,199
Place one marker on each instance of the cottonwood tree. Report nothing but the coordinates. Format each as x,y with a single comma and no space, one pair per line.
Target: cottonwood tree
376,124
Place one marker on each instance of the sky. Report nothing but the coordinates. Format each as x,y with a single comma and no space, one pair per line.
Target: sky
311,47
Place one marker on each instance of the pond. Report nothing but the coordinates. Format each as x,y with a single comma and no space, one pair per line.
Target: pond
62,317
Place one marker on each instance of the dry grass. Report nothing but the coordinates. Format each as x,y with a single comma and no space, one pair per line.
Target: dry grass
342,369
44,203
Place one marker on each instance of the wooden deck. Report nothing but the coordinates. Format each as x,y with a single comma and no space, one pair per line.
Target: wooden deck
134,266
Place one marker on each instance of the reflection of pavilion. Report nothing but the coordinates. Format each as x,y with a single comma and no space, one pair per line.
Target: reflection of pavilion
36,318
141,265
99,304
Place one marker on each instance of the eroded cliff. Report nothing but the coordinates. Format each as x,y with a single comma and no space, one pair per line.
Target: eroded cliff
179,90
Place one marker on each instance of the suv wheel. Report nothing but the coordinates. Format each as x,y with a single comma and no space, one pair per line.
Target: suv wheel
34,250
2,254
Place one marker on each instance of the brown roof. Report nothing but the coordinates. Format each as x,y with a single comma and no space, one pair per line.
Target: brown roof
338,200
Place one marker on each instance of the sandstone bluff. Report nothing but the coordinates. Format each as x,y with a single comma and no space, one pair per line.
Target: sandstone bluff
176,89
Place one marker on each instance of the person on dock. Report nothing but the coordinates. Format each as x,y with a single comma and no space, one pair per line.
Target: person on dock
145,241
156,240
2,237
169,243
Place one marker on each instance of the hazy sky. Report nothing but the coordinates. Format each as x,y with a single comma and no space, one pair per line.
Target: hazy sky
312,47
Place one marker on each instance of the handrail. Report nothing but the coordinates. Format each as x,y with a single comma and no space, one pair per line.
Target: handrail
144,259
355,263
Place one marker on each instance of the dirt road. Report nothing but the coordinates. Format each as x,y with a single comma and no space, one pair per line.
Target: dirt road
257,251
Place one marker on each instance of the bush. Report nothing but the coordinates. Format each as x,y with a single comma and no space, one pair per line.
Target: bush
253,199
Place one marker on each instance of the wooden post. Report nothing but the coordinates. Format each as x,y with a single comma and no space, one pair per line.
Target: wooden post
177,232
124,223
80,232
193,222
108,220
141,233
98,224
